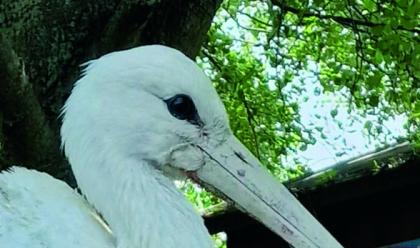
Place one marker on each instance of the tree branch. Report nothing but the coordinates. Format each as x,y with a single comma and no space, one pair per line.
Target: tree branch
254,18
250,119
345,21
26,131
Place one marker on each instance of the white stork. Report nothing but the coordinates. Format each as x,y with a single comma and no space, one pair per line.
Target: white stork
136,120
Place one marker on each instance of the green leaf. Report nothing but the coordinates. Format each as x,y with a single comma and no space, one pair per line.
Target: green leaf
317,91
334,113
304,147
378,56
374,100
368,125
369,5
374,80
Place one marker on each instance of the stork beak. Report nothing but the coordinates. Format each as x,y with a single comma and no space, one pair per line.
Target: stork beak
233,171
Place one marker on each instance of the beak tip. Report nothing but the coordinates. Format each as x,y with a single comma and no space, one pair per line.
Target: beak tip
233,171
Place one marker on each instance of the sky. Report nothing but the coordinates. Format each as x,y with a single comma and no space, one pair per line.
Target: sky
339,144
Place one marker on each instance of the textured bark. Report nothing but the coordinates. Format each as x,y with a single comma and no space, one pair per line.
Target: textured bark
24,117
44,41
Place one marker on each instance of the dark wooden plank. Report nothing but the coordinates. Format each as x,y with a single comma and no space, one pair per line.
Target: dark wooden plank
372,211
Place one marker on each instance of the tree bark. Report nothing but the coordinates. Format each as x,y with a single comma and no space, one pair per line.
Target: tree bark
42,44
23,117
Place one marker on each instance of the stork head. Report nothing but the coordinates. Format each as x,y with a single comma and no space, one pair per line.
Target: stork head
154,104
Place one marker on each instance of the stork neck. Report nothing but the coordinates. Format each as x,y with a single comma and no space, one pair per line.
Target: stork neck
144,208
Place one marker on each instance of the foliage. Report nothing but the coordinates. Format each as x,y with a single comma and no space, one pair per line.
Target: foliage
203,201
364,50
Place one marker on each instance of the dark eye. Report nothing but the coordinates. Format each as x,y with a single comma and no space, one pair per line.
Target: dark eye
182,107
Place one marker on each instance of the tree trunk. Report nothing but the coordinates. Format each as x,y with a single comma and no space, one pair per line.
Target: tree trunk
42,44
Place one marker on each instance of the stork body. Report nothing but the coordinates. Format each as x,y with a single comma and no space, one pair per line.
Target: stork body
134,122
39,211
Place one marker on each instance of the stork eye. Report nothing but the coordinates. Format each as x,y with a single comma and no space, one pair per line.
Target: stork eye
182,107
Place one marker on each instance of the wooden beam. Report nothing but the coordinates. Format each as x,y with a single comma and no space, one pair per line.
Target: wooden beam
372,211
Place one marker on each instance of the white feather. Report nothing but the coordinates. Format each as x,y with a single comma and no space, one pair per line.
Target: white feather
125,147
38,210
118,135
